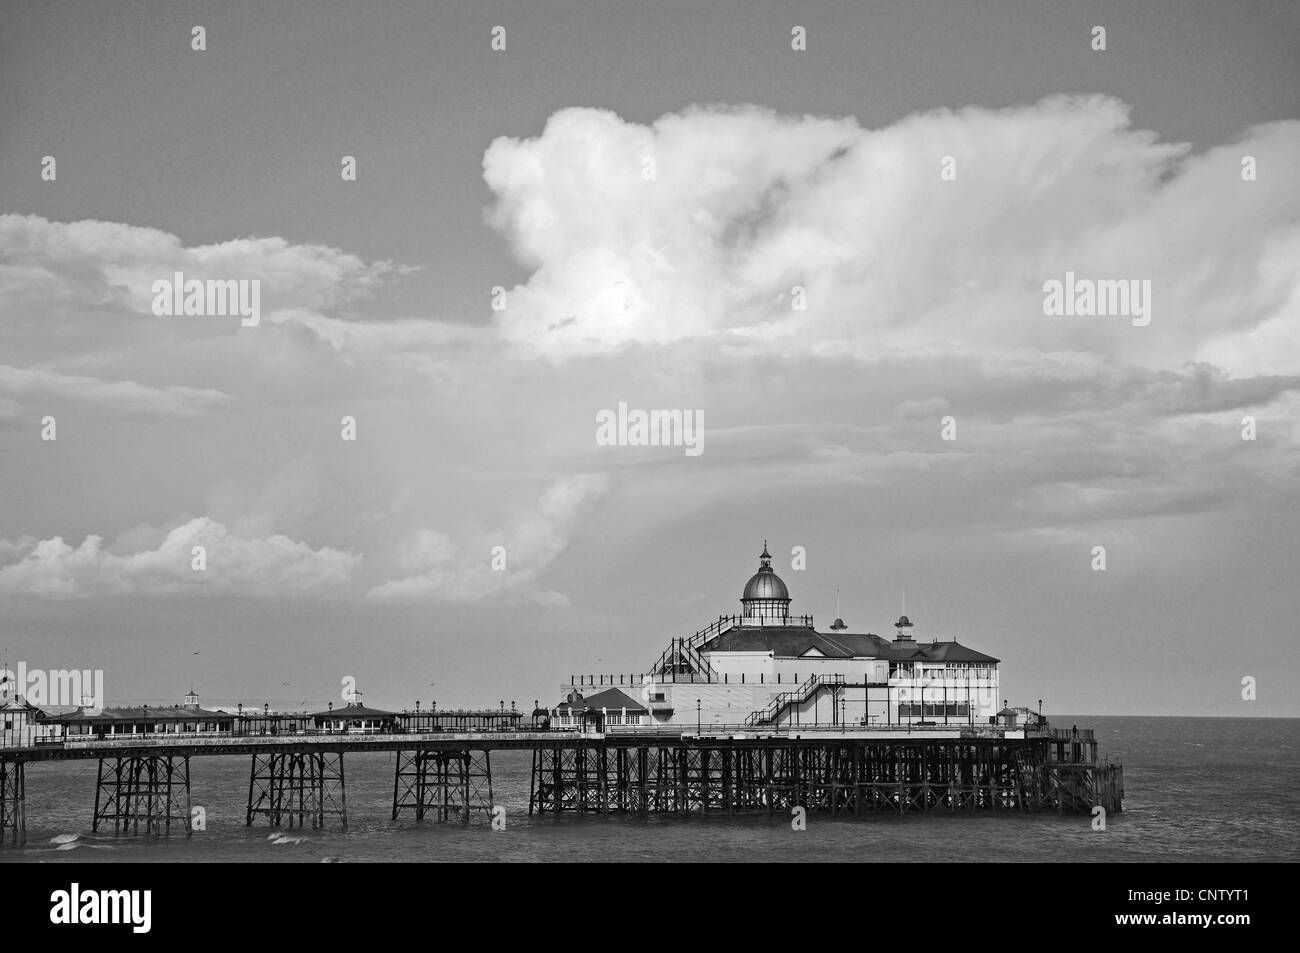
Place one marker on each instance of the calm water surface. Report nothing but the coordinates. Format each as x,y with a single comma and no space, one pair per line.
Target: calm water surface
1211,789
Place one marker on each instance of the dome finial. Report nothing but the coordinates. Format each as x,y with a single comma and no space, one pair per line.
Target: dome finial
766,597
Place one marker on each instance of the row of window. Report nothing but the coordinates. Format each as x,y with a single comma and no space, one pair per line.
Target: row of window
933,709
612,718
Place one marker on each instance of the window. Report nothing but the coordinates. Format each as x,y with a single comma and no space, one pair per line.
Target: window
933,710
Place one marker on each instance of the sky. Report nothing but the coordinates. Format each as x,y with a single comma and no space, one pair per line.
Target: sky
920,297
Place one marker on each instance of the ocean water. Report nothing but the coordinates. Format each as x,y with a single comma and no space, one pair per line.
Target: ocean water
1197,789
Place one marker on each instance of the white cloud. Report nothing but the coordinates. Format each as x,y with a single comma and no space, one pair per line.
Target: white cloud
438,569
237,565
113,396
90,262
747,204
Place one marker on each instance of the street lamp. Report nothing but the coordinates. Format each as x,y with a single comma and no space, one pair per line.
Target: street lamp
698,727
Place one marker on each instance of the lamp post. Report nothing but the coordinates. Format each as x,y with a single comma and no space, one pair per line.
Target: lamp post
698,726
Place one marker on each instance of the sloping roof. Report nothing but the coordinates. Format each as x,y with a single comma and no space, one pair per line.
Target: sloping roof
610,698
789,641
792,641
354,710
141,713
951,651
18,703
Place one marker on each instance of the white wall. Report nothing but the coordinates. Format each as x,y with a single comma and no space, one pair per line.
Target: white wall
732,702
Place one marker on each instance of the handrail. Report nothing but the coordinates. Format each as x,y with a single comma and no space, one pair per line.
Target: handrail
688,647
785,699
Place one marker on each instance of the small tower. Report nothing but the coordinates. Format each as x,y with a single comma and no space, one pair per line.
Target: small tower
904,637
192,699
765,601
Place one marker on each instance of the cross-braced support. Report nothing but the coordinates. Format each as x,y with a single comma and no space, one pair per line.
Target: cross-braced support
297,788
447,783
146,788
728,776
13,817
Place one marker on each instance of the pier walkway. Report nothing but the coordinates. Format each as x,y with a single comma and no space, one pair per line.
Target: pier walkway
297,779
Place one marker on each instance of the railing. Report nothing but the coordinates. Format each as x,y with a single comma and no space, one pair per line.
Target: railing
664,678
715,730
681,651
785,699
288,733
1072,734
789,729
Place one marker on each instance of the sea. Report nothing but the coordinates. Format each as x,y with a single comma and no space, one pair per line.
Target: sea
1196,789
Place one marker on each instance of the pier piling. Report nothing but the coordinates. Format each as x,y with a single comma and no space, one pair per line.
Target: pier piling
297,788
142,787
13,797
622,776
447,783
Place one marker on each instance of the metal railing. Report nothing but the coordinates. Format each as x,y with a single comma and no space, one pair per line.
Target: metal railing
94,737
662,678
786,699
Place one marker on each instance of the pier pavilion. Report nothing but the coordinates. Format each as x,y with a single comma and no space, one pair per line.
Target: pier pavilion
768,668
611,708
187,718
356,717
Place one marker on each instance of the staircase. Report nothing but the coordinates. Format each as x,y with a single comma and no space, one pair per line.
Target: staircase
783,701
682,657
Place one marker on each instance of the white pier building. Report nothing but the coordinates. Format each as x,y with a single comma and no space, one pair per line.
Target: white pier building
767,669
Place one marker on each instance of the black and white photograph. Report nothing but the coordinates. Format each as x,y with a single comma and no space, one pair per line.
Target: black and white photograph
680,432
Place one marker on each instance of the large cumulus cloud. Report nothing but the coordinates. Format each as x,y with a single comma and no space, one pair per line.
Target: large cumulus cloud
745,204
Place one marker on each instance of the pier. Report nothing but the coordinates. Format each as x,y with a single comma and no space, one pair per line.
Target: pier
143,781
831,772
754,713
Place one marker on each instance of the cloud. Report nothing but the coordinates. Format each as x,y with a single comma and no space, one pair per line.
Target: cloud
440,570
924,299
238,565
76,297
112,396
89,263
746,204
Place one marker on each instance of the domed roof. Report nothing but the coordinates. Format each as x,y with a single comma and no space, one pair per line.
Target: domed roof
765,584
